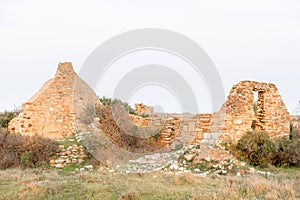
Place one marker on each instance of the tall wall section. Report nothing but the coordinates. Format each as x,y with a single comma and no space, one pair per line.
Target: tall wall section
241,115
53,111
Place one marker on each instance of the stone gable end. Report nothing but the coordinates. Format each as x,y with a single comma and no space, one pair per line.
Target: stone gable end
53,111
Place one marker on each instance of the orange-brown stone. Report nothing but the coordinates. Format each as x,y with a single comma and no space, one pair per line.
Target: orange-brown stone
53,111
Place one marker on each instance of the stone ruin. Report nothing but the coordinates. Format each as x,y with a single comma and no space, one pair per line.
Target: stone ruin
270,114
53,112
238,115
295,121
142,109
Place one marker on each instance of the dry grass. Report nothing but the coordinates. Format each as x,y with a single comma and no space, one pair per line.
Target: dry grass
53,184
25,151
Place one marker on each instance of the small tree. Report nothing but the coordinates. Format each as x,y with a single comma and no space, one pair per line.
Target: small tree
294,132
288,152
117,102
257,148
6,117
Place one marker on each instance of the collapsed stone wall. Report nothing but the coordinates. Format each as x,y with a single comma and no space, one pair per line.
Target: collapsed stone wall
176,128
170,125
53,111
241,115
143,110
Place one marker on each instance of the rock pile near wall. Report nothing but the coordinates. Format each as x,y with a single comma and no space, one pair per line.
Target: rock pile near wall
68,155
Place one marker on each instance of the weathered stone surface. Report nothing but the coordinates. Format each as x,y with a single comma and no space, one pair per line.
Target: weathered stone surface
198,159
239,116
142,109
59,165
66,157
234,119
295,120
53,110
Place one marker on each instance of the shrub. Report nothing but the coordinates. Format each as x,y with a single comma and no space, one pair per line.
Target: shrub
118,127
294,132
88,114
117,102
292,153
24,151
257,148
26,160
116,123
288,152
145,115
5,118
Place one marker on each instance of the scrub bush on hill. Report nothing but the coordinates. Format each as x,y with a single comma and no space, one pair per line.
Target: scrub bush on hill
257,148
118,127
117,102
24,151
288,153
6,116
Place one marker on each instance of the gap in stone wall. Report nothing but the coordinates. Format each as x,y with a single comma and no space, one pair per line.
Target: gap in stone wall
260,112
254,105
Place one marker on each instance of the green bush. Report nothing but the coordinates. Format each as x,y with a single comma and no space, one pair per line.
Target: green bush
257,148
26,160
5,118
288,153
24,151
117,102
145,115
294,132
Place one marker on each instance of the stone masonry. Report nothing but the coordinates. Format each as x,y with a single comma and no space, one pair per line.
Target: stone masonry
236,117
270,115
53,111
142,109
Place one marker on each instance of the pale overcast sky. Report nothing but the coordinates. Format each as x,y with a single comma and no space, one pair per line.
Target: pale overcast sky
253,40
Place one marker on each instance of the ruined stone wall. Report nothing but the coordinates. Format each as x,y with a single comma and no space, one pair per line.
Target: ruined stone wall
239,116
140,121
236,117
177,128
295,121
142,109
170,125
53,111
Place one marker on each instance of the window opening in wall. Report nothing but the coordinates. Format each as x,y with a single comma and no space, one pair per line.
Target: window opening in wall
254,107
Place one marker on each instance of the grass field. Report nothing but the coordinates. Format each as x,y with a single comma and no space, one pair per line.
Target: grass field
67,184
